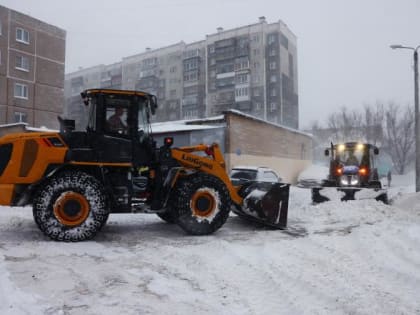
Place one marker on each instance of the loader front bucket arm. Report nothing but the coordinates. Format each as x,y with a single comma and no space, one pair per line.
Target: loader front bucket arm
213,163
266,203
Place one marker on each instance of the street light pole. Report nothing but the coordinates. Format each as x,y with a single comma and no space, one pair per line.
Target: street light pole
416,109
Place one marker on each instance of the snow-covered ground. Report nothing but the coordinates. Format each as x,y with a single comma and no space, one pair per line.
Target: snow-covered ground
359,257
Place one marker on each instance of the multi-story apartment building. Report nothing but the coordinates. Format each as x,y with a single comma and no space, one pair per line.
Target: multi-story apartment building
32,56
252,68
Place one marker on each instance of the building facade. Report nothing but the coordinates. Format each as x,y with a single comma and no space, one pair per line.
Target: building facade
32,57
251,68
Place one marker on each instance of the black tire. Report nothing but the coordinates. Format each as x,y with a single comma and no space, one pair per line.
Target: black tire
384,198
168,216
202,204
71,207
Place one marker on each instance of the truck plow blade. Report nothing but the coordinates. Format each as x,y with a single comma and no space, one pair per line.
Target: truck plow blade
265,203
322,194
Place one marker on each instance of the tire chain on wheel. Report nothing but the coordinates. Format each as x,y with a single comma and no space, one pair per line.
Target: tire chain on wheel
79,182
184,191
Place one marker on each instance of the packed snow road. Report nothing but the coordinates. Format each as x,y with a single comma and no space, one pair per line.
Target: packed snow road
358,257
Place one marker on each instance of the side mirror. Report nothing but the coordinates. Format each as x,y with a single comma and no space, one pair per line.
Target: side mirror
85,98
376,151
153,104
327,152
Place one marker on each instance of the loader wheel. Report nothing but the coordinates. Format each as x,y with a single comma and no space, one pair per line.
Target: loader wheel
71,207
167,216
202,205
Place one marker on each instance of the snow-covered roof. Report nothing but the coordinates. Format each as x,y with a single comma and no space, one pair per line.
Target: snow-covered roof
249,167
237,112
14,124
41,129
179,125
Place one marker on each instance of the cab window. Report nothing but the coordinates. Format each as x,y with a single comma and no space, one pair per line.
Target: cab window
116,119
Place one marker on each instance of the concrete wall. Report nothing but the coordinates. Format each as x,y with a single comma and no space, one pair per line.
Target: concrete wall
251,141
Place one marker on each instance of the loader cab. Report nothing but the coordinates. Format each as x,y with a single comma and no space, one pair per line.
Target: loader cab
118,125
119,113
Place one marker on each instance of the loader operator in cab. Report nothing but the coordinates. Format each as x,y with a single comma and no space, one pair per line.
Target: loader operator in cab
115,122
352,159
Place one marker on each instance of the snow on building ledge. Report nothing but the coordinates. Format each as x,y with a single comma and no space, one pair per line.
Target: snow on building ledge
239,113
21,127
213,122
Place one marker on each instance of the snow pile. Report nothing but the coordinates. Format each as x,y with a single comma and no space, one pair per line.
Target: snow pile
356,257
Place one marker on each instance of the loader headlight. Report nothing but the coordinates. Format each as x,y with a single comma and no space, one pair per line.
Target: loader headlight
341,147
344,181
354,181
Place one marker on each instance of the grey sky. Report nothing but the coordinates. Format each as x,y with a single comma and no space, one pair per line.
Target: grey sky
344,57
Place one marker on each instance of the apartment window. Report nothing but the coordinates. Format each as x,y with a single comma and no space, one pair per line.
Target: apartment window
273,78
172,105
192,113
273,92
273,106
257,92
242,78
271,38
20,117
172,93
241,64
256,52
22,35
190,64
272,65
192,76
22,63
21,91
172,69
241,92
273,52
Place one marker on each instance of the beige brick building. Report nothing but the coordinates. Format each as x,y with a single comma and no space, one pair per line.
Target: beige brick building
32,56
245,140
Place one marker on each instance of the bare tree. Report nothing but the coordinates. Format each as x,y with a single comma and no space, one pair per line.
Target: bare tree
390,127
373,121
345,126
399,136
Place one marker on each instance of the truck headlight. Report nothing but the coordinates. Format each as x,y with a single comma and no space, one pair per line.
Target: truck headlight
354,181
344,181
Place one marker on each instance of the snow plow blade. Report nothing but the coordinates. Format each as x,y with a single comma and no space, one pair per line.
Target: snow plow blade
322,194
265,203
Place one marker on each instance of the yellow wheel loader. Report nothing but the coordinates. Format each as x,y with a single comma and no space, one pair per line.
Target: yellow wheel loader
75,179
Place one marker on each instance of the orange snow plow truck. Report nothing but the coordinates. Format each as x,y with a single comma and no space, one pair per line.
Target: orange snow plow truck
75,179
